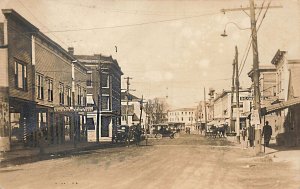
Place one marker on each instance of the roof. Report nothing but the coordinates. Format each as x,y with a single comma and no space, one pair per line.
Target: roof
99,58
278,56
17,16
280,106
35,31
131,97
263,69
183,109
130,110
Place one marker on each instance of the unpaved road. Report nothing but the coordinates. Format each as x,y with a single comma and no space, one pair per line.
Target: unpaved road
190,161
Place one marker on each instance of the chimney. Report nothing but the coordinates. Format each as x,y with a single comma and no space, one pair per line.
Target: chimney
71,50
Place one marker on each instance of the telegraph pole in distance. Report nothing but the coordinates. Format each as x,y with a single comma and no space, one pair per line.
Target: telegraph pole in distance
232,93
256,99
99,103
237,86
127,97
205,110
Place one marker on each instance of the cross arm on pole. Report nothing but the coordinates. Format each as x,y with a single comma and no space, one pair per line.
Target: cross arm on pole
248,8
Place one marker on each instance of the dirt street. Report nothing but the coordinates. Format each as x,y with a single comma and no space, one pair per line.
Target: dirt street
190,161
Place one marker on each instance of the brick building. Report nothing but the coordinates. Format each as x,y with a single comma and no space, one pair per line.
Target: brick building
103,93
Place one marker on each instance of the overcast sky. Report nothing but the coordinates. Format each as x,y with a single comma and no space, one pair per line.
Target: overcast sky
171,48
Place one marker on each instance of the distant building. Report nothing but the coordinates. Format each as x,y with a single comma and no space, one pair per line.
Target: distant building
222,108
134,111
103,92
186,116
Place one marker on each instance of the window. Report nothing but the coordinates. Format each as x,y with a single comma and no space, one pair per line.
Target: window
89,80
105,81
61,94
20,76
69,96
40,86
84,97
105,103
79,95
50,89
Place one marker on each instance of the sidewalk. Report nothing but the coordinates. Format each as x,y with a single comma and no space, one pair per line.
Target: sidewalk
277,153
27,155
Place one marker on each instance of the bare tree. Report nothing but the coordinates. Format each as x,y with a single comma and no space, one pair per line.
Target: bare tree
157,109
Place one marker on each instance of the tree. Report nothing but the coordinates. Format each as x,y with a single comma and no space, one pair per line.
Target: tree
157,110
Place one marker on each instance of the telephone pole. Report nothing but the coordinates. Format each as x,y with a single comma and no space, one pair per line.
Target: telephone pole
255,79
127,97
205,112
232,128
237,86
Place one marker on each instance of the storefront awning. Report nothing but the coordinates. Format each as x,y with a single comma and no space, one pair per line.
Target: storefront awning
90,100
280,106
72,109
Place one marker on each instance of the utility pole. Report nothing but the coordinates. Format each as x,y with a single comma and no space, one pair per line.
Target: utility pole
237,86
205,112
255,79
127,97
99,103
232,128
141,113
256,101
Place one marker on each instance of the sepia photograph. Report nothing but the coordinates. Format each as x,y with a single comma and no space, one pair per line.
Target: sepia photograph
149,94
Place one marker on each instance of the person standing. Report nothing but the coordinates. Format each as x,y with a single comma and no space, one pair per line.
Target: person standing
244,135
267,133
251,135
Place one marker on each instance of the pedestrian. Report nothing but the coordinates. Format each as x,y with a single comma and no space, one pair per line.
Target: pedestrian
267,133
244,134
251,135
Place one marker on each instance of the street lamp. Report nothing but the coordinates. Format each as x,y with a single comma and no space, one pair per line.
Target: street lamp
224,34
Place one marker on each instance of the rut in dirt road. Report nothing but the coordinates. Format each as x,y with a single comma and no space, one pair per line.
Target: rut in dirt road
190,161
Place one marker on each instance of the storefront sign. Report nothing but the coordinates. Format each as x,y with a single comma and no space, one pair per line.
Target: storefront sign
71,109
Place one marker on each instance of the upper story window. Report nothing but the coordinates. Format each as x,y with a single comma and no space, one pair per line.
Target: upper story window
79,95
40,86
105,81
89,79
21,76
105,102
61,94
69,96
84,97
50,89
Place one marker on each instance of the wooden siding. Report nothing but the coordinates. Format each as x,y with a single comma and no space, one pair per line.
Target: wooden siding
19,48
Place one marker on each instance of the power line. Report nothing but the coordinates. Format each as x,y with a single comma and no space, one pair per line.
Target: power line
248,46
251,36
130,25
40,22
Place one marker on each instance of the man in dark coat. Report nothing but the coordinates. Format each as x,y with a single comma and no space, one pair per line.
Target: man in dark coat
267,133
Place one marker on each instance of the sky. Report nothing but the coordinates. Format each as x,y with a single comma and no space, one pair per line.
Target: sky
171,48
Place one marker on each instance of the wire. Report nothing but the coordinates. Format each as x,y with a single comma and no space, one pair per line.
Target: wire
41,22
251,36
248,46
131,25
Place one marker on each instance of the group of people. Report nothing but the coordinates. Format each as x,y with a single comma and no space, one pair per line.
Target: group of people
266,134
